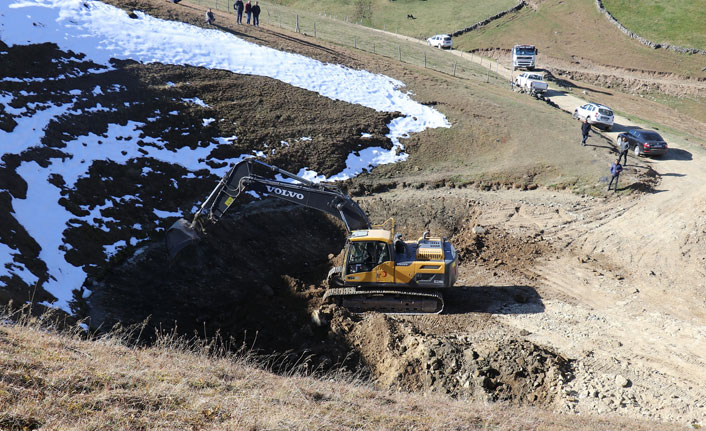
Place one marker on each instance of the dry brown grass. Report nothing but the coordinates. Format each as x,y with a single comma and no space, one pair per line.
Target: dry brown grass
59,380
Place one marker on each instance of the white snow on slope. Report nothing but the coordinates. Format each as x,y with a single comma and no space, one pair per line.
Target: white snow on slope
42,197
102,32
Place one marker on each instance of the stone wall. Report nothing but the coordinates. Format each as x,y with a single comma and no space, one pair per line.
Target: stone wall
519,6
642,40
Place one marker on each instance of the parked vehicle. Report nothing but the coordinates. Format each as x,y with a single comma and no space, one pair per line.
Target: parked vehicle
645,142
598,115
440,41
530,82
523,57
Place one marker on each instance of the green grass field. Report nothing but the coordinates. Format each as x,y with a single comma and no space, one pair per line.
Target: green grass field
431,17
678,22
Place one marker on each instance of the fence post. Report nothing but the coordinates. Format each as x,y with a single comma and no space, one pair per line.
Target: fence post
355,43
399,52
373,47
425,60
297,29
314,29
487,75
454,69
280,20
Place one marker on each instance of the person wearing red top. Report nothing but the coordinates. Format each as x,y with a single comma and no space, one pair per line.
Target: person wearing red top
248,11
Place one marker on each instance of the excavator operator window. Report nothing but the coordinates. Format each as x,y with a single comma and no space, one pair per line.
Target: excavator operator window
365,255
383,252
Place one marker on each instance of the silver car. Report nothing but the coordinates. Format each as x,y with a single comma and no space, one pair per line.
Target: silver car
440,41
598,115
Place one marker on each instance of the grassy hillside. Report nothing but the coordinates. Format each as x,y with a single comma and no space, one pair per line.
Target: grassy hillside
493,127
431,17
570,29
52,380
678,22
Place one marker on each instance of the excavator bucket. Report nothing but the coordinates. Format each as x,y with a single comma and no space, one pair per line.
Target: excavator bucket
179,236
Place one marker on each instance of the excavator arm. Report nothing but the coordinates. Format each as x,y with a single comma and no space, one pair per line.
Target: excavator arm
243,178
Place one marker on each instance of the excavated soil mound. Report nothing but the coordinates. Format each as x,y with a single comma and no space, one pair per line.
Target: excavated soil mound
402,355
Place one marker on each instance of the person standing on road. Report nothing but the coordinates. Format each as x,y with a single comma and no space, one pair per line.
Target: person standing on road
624,148
248,11
209,17
585,128
256,14
615,170
238,6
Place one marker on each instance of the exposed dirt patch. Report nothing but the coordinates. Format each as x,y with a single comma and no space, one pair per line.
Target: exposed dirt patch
255,279
404,356
629,80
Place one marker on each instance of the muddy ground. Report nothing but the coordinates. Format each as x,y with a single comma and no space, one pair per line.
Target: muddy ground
560,303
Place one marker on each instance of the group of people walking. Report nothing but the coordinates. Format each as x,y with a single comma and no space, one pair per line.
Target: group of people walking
250,11
615,168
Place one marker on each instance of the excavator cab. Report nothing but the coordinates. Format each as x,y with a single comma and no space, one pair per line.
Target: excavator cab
364,256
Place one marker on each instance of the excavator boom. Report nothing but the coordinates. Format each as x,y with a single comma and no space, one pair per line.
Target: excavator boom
243,177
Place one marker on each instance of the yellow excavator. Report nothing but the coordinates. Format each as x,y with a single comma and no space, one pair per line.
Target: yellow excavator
380,271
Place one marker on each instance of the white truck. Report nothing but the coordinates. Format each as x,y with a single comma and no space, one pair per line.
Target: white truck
531,83
523,57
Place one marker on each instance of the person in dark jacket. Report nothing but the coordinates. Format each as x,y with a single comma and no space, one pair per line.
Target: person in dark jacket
209,17
248,11
585,128
624,146
238,6
256,14
615,170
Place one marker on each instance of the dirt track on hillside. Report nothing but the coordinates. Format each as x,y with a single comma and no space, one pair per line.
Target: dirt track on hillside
624,292
574,303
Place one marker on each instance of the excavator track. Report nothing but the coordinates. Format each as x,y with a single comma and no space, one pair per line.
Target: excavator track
387,300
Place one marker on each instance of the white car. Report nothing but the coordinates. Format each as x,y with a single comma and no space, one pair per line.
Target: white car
600,115
440,41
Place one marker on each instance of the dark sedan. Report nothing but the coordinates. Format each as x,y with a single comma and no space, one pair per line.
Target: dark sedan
645,142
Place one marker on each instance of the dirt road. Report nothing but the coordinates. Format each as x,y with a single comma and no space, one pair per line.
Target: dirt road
640,295
624,294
